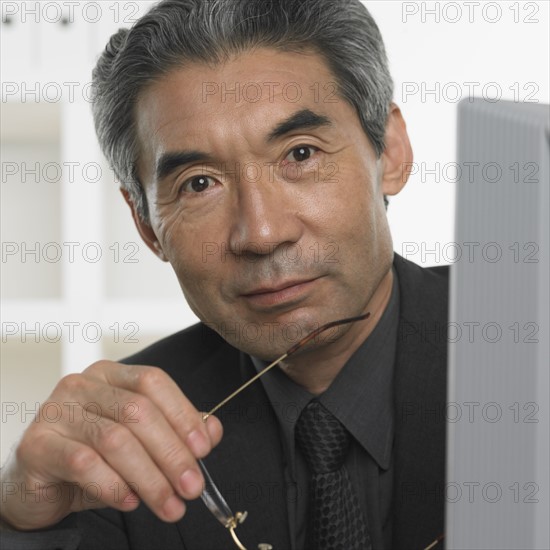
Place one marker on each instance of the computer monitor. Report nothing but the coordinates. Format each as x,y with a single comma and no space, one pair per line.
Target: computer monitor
498,460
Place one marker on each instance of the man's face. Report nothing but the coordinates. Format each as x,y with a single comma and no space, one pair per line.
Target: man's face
265,195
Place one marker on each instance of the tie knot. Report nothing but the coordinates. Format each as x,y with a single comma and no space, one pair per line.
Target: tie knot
321,438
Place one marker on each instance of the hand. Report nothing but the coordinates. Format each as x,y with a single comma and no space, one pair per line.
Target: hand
122,433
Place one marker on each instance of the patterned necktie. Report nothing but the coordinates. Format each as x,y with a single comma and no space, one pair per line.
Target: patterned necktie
335,520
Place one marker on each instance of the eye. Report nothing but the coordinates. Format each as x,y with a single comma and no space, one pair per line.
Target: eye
197,184
301,153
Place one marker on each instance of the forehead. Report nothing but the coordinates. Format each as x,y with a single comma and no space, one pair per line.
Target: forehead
251,77
261,82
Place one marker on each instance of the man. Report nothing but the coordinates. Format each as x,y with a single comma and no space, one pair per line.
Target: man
270,207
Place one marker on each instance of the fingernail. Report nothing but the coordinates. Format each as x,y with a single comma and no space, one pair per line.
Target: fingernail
198,443
191,482
212,428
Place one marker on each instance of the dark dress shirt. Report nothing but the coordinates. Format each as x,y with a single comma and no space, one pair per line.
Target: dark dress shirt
361,398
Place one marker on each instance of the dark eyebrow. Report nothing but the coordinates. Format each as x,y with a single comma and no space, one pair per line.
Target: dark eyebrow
301,119
168,162
305,118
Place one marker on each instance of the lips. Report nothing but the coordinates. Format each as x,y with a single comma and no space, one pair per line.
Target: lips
284,294
275,288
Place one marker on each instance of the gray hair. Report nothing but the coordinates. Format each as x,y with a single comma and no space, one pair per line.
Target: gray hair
177,31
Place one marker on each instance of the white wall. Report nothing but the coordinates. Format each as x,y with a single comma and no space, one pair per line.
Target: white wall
430,52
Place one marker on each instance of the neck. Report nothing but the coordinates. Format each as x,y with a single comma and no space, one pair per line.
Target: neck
331,358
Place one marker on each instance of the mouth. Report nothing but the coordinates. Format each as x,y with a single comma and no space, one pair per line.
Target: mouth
282,293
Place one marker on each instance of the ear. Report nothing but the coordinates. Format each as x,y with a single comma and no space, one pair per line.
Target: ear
397,158
145,230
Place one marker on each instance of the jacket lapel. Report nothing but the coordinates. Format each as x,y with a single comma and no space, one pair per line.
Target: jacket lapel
420,399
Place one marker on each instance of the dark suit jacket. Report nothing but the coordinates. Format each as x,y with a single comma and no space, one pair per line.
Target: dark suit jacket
247,465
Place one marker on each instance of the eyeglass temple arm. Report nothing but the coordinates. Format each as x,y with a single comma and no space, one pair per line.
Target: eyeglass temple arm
289,352
435,542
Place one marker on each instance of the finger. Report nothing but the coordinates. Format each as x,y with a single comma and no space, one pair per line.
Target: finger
117,467
85,479
158,439
162,390
148,445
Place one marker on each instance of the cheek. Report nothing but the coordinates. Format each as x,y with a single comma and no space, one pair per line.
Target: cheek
197,269
351,198
185,247
359,217
196,255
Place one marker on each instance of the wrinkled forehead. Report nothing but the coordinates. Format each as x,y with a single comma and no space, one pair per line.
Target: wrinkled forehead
256,76
240,99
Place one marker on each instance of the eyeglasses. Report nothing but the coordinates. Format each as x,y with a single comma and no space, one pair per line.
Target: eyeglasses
210,495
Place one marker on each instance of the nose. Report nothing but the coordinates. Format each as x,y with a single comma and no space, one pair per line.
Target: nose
265,218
